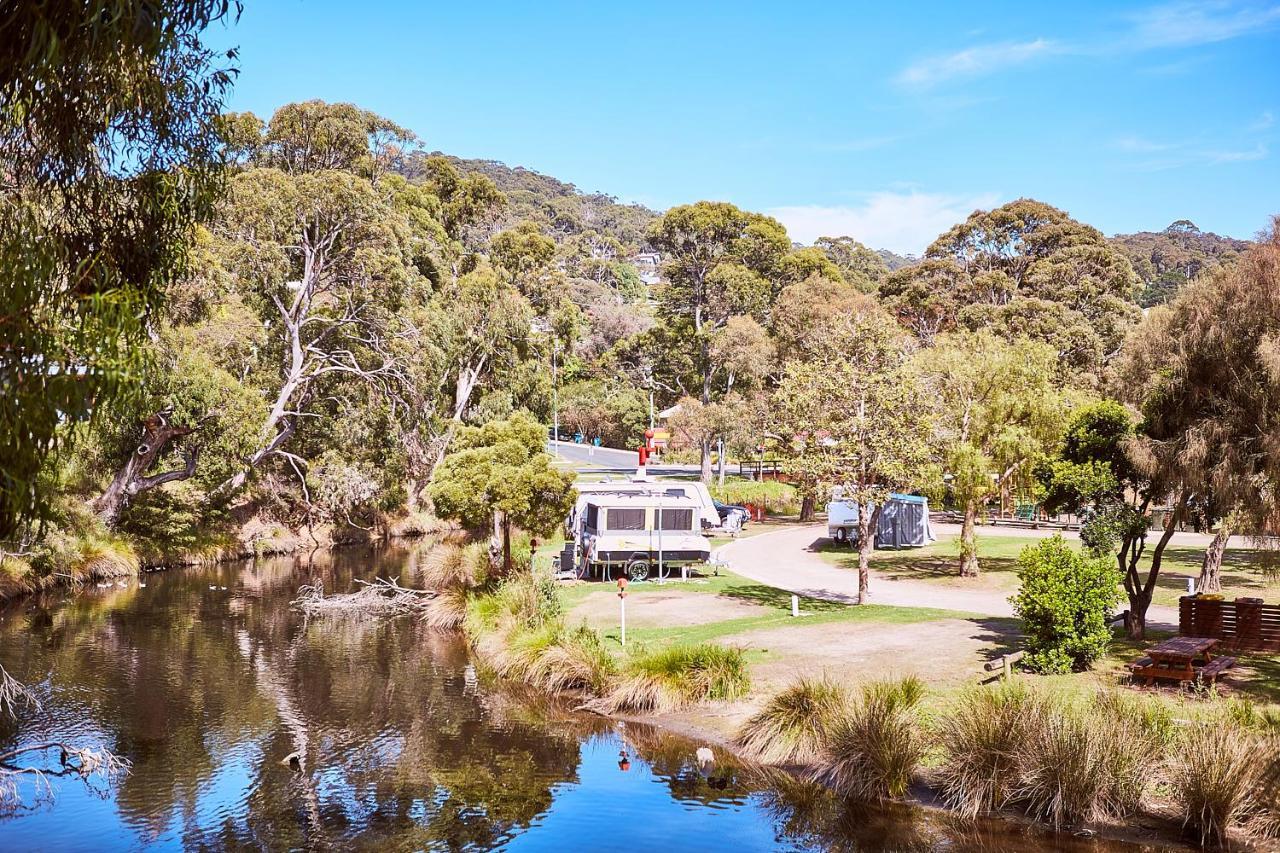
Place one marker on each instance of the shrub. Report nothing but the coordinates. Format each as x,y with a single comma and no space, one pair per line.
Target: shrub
873,752
1213,776
794,724
983,738
677,676
1064,601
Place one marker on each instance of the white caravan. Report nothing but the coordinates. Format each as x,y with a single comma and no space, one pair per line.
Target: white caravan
697,491
636,534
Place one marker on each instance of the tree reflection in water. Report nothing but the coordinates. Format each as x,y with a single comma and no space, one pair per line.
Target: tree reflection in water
400,743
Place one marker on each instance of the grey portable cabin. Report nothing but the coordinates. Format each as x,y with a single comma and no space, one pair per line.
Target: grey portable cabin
903,523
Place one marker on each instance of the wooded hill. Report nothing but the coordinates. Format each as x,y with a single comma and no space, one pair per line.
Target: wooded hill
1166,260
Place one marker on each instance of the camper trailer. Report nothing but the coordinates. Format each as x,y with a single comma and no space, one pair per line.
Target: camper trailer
639,535
904,522
708,514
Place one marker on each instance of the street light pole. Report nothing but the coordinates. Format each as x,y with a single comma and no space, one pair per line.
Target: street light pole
555,398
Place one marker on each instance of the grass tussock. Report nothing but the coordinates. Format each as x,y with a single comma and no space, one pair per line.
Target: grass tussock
1060,761
448,610
1216,775
874,751
675,677
983,739
795,723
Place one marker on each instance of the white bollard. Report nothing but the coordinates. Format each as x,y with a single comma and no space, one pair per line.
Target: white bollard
795,605
1191,586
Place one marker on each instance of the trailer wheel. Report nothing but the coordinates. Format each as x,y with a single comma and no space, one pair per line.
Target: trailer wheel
842,536
638,569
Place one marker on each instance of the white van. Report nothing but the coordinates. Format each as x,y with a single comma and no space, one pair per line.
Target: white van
639,535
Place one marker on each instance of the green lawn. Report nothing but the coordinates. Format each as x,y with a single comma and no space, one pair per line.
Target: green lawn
777,602
1244,571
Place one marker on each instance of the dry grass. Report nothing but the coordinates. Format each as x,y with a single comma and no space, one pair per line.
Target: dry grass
1214,773
794,724
874,751
983,738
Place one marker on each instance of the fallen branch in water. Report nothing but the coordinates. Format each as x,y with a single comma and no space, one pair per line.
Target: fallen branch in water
382,597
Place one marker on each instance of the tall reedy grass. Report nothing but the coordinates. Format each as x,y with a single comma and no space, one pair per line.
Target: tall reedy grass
795,723
1216,774
874,751
677,676
983,739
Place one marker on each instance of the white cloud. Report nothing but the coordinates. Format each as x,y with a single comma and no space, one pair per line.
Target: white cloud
974,62
1183,24
905,223
1257,152
1266,120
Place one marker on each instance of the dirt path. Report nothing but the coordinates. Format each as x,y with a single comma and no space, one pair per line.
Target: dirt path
786,559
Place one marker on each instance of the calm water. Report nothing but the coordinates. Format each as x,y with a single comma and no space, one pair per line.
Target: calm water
206,681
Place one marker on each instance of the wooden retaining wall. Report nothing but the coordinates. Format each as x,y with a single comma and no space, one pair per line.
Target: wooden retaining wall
1246,624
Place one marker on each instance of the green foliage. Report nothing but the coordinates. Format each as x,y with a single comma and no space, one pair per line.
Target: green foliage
110,154
1023,269
501,466
757,492
1064,601
677,676
1166,260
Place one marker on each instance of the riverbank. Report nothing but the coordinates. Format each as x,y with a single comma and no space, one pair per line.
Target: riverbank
88,553
850,646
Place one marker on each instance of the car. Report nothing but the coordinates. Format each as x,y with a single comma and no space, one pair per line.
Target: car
564,435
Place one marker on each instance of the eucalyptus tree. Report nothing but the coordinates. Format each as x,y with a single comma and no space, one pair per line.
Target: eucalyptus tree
1000,413
719,261
1202,370
1023,269
861,417
110,153
324,257
858,265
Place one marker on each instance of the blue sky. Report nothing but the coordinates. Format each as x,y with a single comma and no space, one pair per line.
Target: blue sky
880,121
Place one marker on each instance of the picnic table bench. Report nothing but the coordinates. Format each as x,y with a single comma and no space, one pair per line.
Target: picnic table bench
1177,660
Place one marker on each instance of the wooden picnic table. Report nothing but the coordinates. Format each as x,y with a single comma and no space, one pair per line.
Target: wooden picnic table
1176,659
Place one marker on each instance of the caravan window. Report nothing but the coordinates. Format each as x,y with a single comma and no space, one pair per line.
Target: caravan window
592,520
626,519
675,519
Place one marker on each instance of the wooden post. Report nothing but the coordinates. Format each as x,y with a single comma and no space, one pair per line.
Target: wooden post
1004,663
622,606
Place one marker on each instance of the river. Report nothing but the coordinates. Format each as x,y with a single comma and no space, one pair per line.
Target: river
206,681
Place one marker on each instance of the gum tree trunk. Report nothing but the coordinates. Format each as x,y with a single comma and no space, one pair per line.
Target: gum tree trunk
132,479
866,543
968,543
1211,569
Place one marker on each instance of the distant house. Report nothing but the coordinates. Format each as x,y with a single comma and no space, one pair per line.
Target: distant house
649,265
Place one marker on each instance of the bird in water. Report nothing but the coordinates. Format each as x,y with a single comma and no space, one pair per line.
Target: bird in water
294,760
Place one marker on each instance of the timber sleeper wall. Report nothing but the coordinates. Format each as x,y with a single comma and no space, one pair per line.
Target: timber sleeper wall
1241,624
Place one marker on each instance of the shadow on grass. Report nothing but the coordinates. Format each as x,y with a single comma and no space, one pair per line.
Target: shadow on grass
1003,633
1257,675
768,596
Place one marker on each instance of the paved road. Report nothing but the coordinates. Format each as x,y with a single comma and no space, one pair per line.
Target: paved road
786,559
611,460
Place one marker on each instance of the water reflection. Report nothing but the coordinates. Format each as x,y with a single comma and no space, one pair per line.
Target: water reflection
209,684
